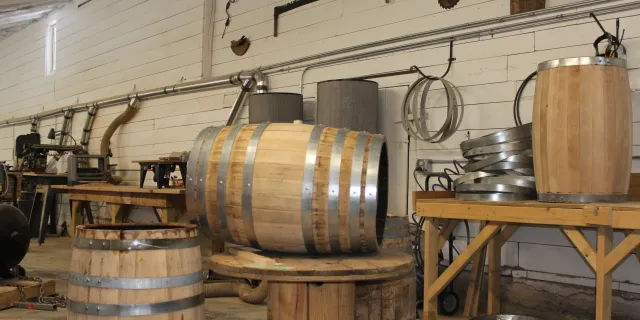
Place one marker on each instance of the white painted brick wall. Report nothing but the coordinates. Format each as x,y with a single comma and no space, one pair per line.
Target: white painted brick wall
108,46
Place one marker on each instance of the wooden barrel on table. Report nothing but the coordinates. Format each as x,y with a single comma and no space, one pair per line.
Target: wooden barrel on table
397,234
582,128
387,299
290,187
147,271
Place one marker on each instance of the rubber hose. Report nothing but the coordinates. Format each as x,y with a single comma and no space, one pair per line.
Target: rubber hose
237,289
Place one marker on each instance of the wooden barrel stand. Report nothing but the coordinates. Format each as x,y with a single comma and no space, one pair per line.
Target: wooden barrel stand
364,287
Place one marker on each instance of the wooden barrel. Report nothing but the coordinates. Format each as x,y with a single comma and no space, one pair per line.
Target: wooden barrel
397,234
146,271
290,187
582,128
389,299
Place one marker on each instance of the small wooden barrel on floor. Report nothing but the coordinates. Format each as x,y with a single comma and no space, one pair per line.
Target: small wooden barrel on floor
290,187
389,299
146,271
397,234
582,128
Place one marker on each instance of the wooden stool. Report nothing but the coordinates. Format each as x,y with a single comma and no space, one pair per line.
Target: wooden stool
327,287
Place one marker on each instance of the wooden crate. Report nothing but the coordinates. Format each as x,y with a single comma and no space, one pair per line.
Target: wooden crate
9,293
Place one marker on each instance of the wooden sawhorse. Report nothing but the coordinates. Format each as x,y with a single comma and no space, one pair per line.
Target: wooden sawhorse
168,203
501,219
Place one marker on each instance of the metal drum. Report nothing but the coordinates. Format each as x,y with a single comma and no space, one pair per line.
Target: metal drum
351,104
275,107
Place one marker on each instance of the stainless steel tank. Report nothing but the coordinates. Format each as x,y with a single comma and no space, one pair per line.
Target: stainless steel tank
275,107
351,104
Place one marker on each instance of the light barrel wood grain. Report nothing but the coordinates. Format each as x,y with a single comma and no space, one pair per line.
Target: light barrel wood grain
582,129
292,187
156,263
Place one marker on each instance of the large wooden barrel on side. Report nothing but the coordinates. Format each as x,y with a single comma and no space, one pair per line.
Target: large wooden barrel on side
397,234
582,128
389,299
146,271
290,187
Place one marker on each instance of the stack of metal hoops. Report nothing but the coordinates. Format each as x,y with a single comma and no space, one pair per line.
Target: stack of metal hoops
500,167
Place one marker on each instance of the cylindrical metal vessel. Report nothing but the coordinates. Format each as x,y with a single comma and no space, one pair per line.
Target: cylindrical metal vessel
128,270
351,104
582,128
397,234
290,187
275,107
388,299
14,236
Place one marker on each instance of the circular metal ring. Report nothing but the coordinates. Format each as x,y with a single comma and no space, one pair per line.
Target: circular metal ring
511,134
582,61
503,188
576,197
492,197
502,147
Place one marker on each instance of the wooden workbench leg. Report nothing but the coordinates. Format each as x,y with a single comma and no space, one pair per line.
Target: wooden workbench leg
114,211
164,214
76,217
431,241
493,303
603,279
475,281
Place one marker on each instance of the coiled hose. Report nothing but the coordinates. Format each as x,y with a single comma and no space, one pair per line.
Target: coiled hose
237,289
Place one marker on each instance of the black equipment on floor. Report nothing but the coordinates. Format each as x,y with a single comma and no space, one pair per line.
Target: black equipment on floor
14,237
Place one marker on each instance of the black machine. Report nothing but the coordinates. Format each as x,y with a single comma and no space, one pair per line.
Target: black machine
14,238
34,156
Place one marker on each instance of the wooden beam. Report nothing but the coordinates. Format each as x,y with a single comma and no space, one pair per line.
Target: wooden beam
582,244
495,261
507,232
114,212
76,217
136,199
465,256
430,268
604,290
475,281
622,251
637,251
446,231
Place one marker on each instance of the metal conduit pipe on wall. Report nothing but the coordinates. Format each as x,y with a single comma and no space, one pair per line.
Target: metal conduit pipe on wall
88,124
255,77
66,125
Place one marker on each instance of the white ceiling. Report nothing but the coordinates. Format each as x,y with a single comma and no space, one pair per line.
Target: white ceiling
16,14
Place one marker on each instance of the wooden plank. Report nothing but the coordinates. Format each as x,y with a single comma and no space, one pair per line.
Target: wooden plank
475,282
136,199
622,251
634,187
11,295
119,188
604,282
493,300
430,268
581,243
637,251
422,195
465,256
446,231
76,216
287,301
331,301
507,232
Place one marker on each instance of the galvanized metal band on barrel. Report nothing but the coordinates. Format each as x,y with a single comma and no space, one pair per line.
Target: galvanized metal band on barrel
247,185
192,172
140,244
576,198
307,188
371,192
333,198
134,283
221,188
134,310
355,187
201,183
582,61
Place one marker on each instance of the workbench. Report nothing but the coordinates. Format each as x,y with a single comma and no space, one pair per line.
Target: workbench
499,220
168,203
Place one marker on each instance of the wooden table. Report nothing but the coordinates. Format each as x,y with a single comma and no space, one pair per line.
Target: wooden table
168,203
501,220
323,287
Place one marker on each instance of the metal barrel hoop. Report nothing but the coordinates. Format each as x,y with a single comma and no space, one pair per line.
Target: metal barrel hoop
371,192
355,190
221,186
192,173
307,188
134,283
134,310
138,244
247,184
333,192
200,183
